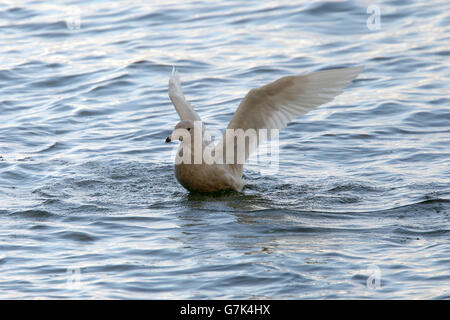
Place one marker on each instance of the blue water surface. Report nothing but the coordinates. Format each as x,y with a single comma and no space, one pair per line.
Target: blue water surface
90,208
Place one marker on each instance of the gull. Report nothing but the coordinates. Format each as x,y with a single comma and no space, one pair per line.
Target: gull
269,107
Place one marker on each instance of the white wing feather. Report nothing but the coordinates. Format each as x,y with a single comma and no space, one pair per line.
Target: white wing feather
183,107
274,105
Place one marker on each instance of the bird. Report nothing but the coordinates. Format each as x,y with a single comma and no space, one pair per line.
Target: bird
269,107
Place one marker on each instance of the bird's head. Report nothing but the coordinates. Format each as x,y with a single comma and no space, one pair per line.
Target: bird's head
184,130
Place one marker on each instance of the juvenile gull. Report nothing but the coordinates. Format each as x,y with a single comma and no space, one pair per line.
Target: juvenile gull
271,106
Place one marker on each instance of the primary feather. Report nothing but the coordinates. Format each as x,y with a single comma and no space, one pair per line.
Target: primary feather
274,105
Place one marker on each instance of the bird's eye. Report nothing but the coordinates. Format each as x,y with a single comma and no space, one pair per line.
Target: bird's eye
188,129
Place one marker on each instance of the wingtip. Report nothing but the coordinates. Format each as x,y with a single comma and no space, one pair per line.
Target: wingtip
360,68
174,77
352,72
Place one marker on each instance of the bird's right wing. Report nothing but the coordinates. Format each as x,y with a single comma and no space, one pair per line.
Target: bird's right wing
183,107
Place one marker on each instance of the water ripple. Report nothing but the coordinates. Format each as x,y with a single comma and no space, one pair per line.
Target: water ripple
86,180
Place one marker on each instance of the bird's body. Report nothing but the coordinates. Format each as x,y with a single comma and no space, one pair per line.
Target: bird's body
272,106
207,177
204,177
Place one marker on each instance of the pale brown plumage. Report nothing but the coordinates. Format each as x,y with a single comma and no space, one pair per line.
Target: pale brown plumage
271,106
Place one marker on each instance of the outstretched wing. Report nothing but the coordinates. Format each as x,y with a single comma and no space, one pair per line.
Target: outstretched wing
183,107
274,105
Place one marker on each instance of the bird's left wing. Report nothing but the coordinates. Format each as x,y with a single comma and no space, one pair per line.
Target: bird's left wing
274,105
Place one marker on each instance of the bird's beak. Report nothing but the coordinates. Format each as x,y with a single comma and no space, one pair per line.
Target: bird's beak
175,135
